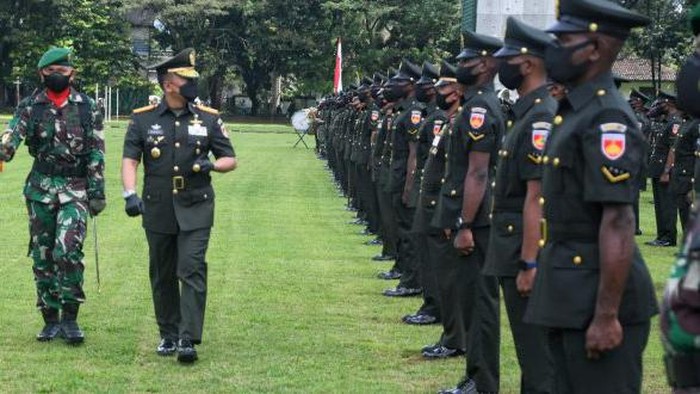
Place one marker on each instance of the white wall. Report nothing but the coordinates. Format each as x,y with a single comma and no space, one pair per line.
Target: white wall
492,14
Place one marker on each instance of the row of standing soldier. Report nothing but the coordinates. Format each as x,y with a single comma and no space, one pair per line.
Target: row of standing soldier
536,199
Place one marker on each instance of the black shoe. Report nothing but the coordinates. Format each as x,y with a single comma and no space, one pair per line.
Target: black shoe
52,326
166,347
654,242
402,292
373,242
186,353
467,386
638,232
366,232
389,275
660,242
384,257
420,319
70,331
442,352
357,221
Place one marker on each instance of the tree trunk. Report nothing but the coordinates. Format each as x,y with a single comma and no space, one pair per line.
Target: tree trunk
216,88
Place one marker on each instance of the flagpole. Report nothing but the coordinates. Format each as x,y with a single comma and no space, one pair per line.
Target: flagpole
338,74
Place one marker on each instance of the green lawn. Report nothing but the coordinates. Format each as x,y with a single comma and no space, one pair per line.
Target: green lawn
293,304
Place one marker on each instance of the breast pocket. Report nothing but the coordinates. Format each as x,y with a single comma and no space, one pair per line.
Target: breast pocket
74,133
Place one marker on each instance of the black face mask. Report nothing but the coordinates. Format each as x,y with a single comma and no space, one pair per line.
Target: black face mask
441,101
423,94
559,66
189,90
465,75
392,93
510,76
56,82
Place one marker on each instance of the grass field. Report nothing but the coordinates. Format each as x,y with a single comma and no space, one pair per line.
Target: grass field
293,304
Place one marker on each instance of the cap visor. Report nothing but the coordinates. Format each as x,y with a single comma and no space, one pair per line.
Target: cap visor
445,81
467,54
560,27
507,52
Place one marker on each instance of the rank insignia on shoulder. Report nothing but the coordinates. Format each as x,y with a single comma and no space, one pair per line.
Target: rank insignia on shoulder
676,129
613,145
477,117
437,126
206,109
144,109
615,175
535,158
416,117
375,116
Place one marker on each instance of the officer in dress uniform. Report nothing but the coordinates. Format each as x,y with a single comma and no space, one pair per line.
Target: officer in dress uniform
638,101
516,212
660,167
593,290
683,169
402,165
464,207
174,140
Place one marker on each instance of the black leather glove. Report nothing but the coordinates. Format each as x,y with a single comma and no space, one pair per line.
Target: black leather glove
134,205
203,166
96,206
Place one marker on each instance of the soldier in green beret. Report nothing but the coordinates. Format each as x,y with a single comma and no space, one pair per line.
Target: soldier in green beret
63,131
174,139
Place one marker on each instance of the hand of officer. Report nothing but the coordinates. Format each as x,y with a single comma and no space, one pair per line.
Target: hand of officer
525,281
96,206
404,197
464,241
203,165
665,177
604,334
134,205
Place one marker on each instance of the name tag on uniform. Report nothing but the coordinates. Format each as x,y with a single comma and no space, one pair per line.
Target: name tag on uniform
197,130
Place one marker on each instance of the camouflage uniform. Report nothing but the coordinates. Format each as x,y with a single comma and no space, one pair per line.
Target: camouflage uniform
68,149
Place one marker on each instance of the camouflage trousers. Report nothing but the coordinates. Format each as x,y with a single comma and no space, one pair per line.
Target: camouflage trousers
57,233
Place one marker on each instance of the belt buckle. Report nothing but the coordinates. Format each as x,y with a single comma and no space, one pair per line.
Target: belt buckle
178,182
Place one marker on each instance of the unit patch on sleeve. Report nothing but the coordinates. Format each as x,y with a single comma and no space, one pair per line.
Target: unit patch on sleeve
416,117
613,140
477,117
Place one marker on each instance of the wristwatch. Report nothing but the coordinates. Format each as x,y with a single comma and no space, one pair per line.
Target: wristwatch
526,265
128,193
461,224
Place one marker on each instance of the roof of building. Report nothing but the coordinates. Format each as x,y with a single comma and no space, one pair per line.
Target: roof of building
639,70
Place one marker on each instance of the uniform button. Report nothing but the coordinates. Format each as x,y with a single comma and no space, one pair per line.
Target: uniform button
555,162
176,169
541,243
433,203
601,93
505,153
446,155
490,216
545,159
148,197
422,171
493,184
541,201
174,191
577,260
199,143
538,101
197,151
453,193
510,228
558,120
510,123
206,196
177,123
177,144
442,180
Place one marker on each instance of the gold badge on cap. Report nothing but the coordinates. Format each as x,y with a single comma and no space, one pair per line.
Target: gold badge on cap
155,152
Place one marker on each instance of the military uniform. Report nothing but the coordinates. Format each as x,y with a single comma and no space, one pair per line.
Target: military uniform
473,296
179,206
664,199
520,163
683,170
66,140
592,159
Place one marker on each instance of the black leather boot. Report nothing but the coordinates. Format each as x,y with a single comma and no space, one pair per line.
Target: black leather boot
69,325
51,325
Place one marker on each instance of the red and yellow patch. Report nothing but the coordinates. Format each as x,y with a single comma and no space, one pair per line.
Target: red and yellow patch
477,118
676,129
416,117
539,139
613,145
375,116
437,127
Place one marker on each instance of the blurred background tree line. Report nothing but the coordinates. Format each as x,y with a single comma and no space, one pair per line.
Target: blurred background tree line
258,49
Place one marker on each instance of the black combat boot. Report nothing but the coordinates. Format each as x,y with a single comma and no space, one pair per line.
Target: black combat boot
186,353
69,325
51,325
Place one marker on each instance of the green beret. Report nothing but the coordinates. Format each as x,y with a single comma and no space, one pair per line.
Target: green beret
60,56
695,19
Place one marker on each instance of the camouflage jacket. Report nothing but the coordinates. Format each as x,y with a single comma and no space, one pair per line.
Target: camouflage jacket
67,144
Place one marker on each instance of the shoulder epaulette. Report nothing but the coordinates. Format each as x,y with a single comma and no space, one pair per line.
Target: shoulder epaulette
206,109
144,109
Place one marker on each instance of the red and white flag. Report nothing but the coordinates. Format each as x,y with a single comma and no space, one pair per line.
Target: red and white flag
338,76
